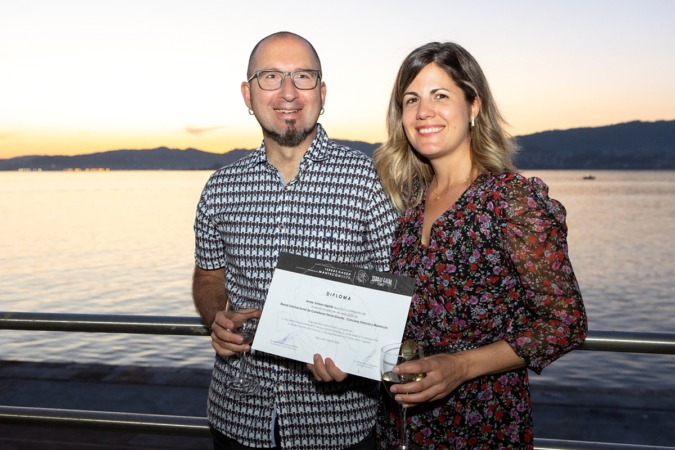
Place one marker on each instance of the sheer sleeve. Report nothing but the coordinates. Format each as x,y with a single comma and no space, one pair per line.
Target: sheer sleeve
534,235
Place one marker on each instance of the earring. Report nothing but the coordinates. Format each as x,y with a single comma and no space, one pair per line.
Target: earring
473,122
322,111
250,111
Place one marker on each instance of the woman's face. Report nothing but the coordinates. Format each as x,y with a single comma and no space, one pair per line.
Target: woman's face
436,115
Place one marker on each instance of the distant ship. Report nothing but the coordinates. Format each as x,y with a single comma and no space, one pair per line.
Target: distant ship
589,177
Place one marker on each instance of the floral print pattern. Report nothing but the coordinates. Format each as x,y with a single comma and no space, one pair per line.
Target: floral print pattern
496,268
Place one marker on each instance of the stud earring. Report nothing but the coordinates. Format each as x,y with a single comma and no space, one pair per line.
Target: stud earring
250,111
322,111
473,122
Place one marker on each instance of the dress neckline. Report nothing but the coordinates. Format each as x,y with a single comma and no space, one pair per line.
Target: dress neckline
452,207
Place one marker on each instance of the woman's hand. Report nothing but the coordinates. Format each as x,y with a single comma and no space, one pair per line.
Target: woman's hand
443,374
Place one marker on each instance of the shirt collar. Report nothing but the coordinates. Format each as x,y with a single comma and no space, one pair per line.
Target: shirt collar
318,150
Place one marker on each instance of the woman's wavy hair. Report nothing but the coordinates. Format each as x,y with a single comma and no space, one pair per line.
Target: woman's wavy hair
403,171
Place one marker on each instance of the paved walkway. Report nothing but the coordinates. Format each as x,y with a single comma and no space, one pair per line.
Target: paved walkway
573,413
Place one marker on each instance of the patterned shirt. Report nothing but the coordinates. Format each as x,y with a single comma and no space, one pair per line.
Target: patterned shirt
496,267
335,210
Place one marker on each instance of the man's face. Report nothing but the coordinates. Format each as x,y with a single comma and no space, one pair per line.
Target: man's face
288,115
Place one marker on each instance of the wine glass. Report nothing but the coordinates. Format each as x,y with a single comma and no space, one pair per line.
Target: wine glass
391,356
242,383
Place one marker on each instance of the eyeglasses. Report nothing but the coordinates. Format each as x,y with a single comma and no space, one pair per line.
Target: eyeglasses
271,80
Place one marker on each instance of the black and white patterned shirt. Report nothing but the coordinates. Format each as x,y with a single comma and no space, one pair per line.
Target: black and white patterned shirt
334,209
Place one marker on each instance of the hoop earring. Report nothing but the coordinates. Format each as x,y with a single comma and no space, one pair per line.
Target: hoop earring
250,112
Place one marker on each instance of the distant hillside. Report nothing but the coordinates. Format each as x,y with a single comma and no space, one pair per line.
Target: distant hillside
161,158
156,159
633,145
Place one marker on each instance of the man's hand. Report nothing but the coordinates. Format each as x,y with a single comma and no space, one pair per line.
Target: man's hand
224,338
326,371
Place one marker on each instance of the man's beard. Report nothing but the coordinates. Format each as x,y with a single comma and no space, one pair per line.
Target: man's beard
292,137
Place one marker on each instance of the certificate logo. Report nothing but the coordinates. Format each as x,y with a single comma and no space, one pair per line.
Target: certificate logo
362,277
382,281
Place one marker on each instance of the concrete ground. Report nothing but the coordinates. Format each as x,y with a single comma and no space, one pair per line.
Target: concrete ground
560,412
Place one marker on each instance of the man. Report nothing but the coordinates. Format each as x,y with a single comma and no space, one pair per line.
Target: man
300,193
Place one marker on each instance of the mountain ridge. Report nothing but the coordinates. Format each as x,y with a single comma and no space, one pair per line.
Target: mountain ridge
632,145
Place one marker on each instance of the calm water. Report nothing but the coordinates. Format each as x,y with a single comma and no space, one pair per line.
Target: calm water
122,243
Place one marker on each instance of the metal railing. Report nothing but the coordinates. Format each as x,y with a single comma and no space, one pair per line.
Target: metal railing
609,341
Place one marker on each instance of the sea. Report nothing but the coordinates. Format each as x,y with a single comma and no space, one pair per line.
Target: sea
121,242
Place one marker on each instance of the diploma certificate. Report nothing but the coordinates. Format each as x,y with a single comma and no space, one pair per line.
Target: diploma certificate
338,311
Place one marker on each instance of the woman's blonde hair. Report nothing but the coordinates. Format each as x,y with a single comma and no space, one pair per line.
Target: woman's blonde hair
403,171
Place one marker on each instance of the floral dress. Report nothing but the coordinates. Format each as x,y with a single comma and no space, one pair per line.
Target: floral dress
496,268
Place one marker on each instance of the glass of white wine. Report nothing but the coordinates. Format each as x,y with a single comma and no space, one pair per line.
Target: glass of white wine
391,356
242,383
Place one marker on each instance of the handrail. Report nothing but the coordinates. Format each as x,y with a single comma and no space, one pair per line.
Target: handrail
103,323
557,444
198,426
597,340
612,341
120,421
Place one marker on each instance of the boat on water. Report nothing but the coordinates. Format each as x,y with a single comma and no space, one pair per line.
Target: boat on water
589,177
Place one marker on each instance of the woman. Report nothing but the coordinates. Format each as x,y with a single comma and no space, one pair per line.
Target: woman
495,291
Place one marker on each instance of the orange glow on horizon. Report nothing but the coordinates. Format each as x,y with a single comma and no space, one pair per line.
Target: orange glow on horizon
68,143
73,143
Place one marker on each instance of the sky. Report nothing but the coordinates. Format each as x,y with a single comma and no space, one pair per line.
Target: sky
84,76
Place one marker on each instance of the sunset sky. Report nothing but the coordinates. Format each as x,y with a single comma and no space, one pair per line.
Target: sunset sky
83,76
